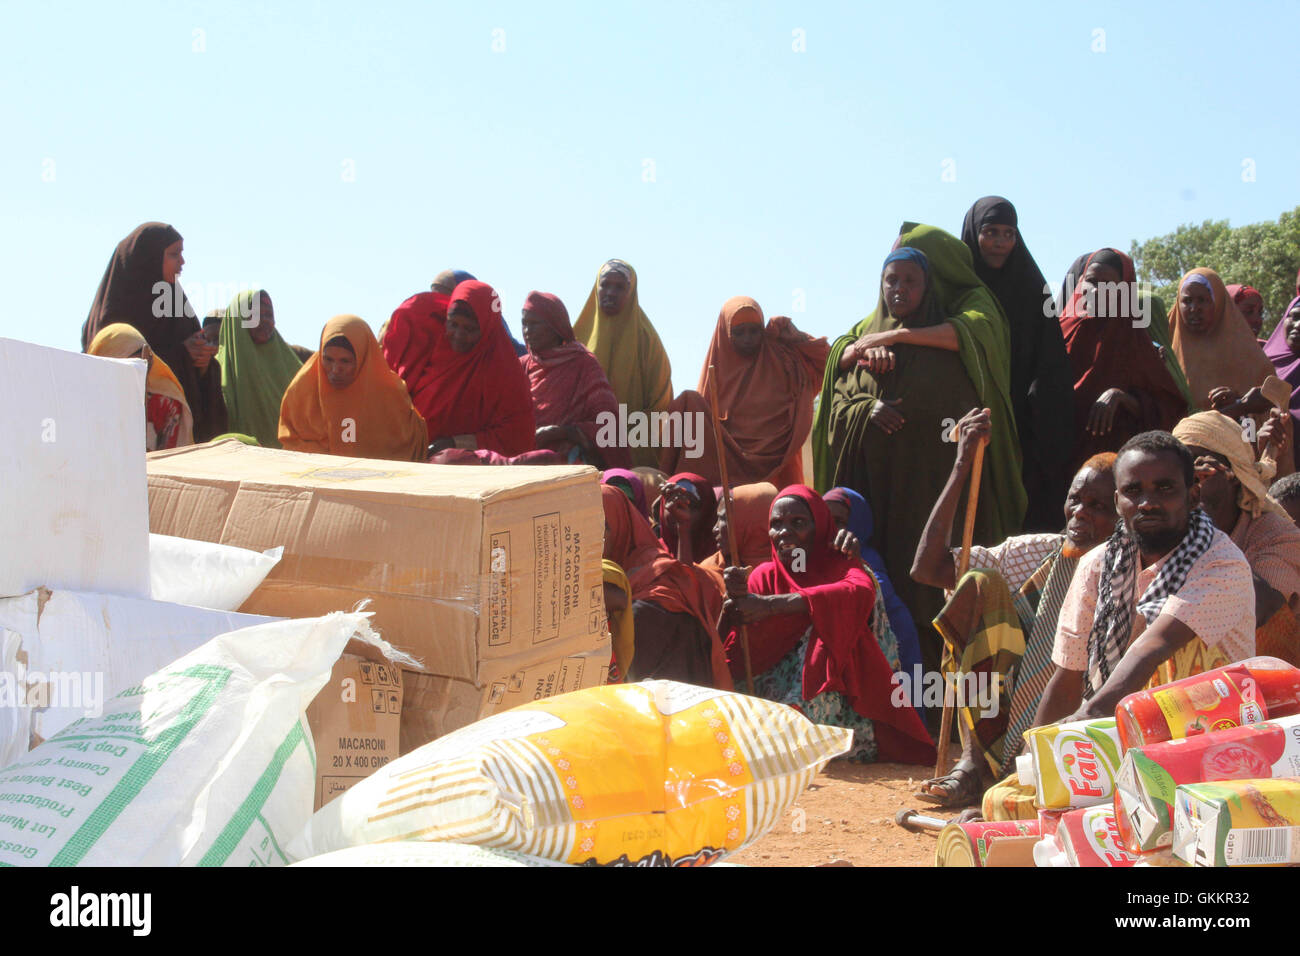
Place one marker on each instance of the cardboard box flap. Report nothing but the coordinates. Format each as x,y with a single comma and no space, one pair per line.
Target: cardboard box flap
231,462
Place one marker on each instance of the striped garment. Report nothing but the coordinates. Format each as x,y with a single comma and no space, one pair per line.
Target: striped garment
984,627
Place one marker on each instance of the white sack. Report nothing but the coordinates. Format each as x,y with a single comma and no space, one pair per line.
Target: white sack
207,762
204,574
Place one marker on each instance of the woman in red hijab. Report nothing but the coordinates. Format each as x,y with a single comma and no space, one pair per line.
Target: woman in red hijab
568,386
810,643
685,513
1121,384
674,605
473,393
1250,303
408,337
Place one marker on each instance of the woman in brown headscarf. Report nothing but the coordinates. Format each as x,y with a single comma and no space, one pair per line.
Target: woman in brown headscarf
750,504
346,401
141,288
1226,369
768,377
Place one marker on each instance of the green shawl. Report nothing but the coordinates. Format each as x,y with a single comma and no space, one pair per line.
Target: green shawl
1159,332
253,377
984,338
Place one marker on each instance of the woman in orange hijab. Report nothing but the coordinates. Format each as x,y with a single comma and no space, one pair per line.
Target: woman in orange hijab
768,377
751,504
169,423
1226,369
345,400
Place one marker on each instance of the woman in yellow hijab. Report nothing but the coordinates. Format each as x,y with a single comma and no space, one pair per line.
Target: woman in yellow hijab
169,422
345,400
618,612
615,330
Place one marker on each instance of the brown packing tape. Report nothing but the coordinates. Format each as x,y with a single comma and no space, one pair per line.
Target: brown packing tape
462,566
355,723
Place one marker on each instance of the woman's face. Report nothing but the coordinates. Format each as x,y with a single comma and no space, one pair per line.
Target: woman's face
792,530
1095,280
747,338
1292,330
839,513
903,285
145,353
1252,310
463,331
173,261
720,527
263,321
1196,303
340,365
539,336
996,243
612,290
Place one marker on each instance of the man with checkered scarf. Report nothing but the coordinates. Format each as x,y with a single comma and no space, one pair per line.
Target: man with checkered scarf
1166,583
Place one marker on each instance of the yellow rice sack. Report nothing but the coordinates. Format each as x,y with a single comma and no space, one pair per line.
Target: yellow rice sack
648,774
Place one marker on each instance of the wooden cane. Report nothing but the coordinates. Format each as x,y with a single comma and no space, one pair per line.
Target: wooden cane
963,564
726,511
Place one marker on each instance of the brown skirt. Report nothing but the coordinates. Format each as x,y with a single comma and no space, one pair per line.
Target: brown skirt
670,646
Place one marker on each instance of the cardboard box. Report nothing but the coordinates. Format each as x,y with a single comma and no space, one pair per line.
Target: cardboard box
438,705
72,484
355,722
466,568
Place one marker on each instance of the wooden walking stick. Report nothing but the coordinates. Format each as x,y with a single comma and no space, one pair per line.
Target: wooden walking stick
726,510
963,565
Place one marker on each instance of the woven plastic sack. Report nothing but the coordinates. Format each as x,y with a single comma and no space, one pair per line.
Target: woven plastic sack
208,761
649,774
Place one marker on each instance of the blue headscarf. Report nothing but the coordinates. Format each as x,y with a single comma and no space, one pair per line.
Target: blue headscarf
862,523
908,254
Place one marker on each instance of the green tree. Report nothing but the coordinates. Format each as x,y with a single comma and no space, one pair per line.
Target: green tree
1263,254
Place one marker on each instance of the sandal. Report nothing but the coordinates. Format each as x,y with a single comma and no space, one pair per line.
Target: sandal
961,787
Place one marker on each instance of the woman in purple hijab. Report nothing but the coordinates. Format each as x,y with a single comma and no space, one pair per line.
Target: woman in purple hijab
1283,350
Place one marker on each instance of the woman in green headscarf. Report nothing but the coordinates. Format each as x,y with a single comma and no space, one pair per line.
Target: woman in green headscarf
256,366
937,346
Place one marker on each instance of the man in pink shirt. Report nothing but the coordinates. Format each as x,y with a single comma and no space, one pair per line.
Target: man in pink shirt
1166,577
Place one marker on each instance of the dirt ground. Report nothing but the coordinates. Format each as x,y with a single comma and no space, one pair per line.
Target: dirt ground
847,815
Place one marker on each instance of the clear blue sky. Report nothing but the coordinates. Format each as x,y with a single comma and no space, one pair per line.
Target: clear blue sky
774,170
